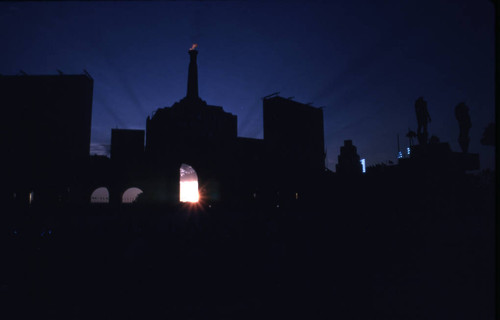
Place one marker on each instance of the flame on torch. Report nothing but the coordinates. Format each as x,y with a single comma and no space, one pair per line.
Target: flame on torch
193,46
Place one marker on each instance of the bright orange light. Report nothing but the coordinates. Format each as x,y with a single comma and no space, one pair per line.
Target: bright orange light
194,46
189,191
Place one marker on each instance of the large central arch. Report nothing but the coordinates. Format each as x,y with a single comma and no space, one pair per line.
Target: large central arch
188,184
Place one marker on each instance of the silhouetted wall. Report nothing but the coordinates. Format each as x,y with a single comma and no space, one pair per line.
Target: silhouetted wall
127,146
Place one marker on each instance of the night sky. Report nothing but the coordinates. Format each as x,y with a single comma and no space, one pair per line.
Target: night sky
366,62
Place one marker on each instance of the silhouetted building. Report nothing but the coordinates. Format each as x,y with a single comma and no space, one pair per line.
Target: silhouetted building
190,125
438,157
127,146
195,133
46,135
192,134
294,142
250,157
348,160
290,158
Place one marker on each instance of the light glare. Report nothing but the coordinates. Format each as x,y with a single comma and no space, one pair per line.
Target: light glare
189,191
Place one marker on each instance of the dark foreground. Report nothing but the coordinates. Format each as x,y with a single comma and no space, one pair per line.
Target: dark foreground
355,256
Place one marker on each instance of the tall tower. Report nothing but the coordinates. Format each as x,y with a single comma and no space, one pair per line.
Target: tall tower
192,87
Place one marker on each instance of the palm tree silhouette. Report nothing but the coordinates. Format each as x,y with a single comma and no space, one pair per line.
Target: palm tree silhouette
410,135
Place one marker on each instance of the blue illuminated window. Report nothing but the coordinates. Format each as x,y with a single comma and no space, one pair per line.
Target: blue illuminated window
363,165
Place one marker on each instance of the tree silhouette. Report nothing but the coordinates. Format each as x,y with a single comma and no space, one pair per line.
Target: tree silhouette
488,138
411,135
423,118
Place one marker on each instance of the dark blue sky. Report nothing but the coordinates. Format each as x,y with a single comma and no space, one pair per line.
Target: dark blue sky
366,62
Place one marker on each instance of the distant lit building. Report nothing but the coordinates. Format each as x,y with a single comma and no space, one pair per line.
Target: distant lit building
438,156
363,165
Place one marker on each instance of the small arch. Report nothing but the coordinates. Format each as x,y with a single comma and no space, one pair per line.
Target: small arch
188,184
130,195
100,195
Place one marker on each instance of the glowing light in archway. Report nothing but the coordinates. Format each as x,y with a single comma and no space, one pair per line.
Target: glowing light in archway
188,183
130,195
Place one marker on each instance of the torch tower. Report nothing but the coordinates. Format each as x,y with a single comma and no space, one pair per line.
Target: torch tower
192,87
